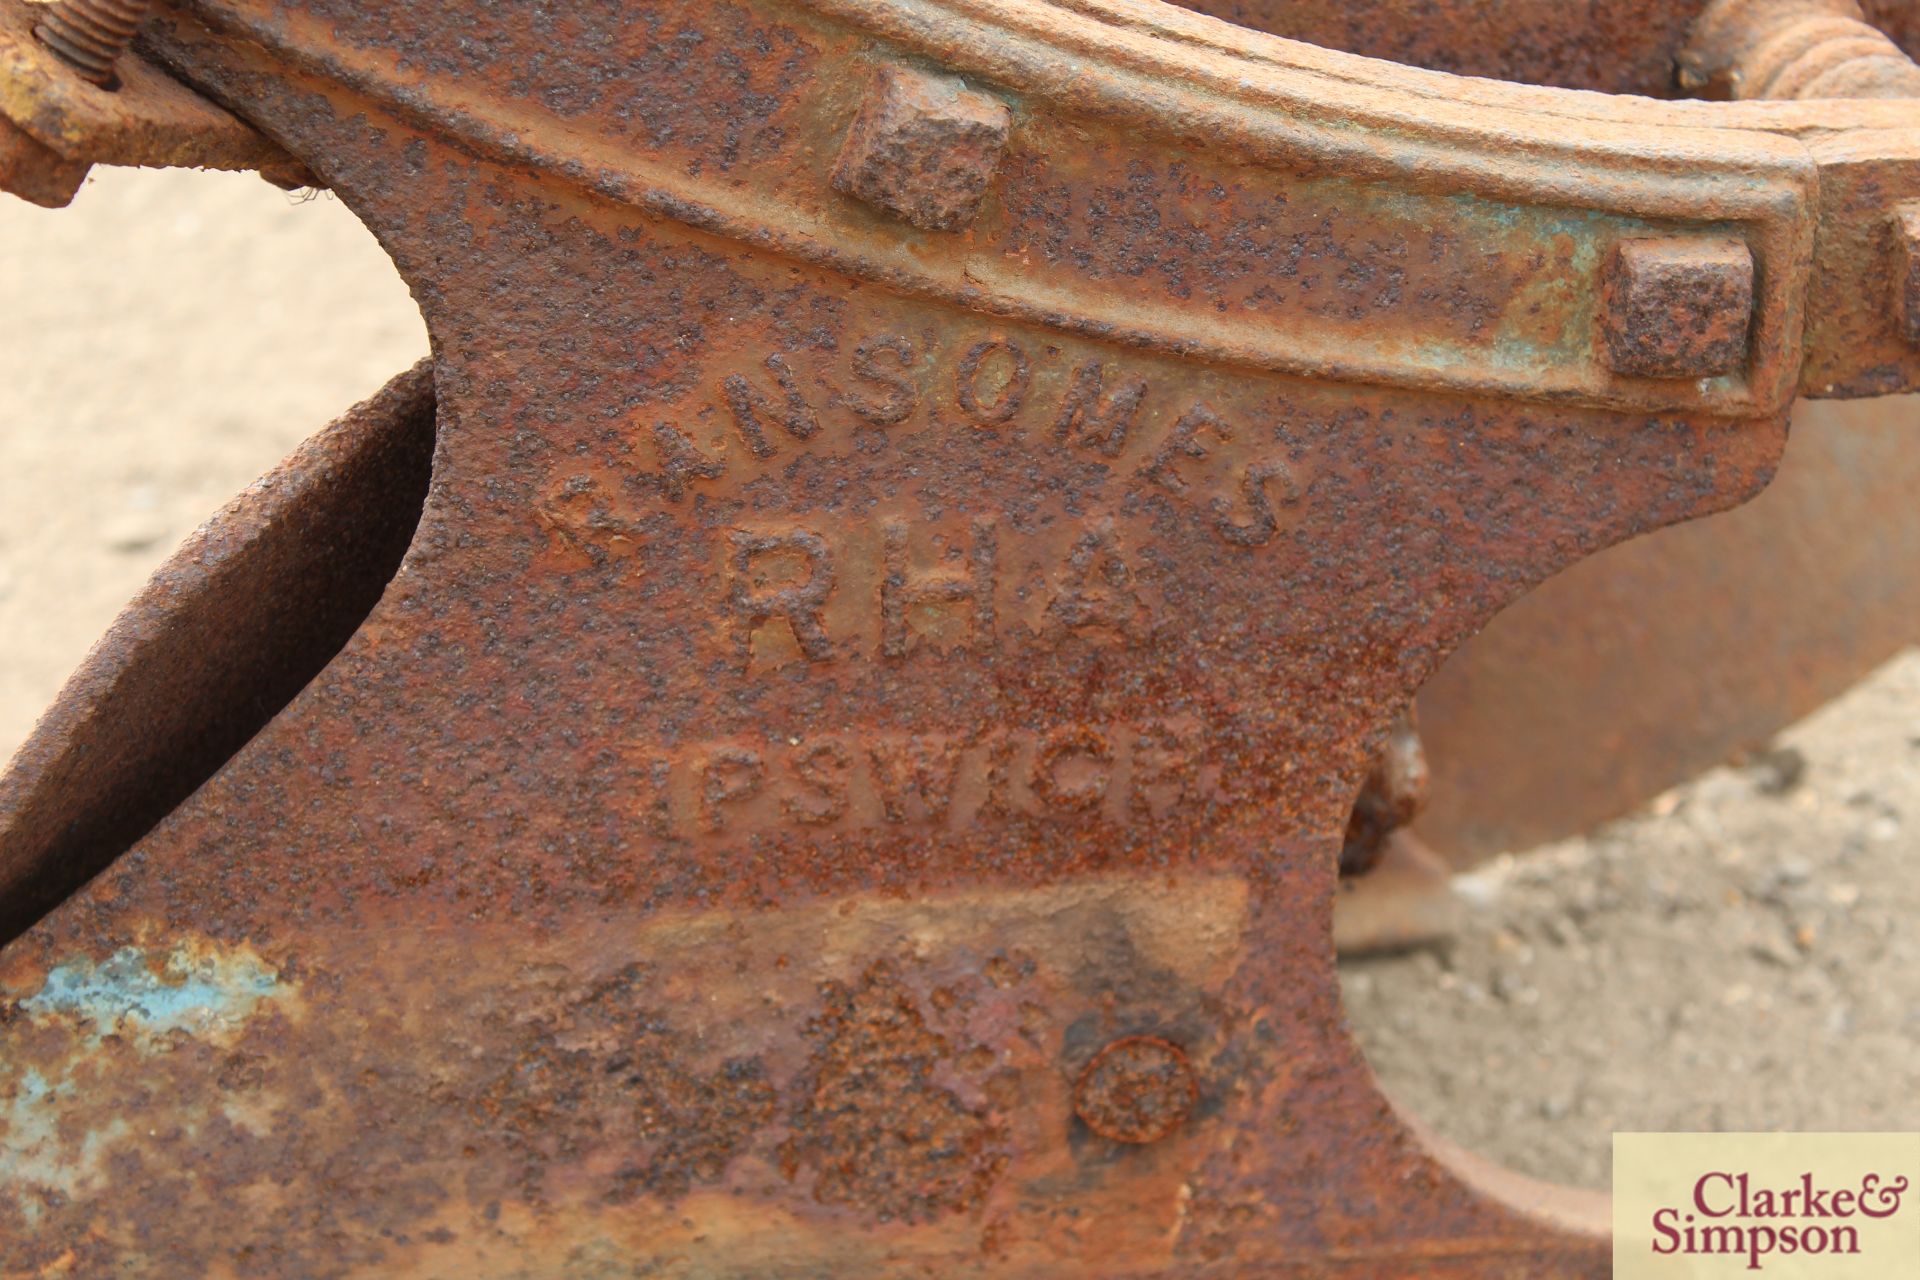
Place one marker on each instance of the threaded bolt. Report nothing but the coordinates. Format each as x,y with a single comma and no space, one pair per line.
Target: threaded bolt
1793,49
90,35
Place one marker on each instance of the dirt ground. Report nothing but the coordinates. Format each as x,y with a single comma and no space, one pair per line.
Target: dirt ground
163,341
1740,956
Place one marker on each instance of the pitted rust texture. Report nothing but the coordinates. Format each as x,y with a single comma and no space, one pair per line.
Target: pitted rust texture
924,147
1857,342
1623,47
1906,231
872,1126
1554,719
608,1070
657,78
1677,308
1150,230
36,172
1136,1090
1289,284
869,673
880,1060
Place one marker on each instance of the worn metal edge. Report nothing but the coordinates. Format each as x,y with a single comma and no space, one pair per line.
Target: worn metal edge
138,727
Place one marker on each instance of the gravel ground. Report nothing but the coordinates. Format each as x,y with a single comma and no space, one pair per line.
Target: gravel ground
1740,956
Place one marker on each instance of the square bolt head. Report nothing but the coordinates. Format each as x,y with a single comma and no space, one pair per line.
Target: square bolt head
1676,308
1906,226
36,173
923,148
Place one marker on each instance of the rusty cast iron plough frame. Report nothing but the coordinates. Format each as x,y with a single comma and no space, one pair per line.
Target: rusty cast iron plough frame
936,506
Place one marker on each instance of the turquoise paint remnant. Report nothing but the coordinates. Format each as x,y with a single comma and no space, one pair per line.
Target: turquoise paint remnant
34,1157
145,998
188,991
141,996
27,1118
27,1123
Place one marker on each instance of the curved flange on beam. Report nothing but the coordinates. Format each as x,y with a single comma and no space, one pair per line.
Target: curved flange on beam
1534,198
936,505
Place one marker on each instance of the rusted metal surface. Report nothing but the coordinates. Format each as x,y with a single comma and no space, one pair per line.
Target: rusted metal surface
1661,658
870,703
1390,798
236,621
1137,1090
34,171
1656,660
1864,150
1857,327
1854,345
142,117
1907,269
1676,308
924,147
1793,49
1857,344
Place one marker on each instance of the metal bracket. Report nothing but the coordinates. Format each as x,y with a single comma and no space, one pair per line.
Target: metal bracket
55,124
937,507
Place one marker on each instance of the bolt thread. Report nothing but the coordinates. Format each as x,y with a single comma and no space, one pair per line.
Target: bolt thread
90,35
1787,49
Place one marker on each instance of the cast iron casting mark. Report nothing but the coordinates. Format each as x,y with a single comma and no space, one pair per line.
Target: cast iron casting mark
936,509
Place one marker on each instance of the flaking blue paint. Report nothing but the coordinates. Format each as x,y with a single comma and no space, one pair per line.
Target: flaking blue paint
144,998
183,993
